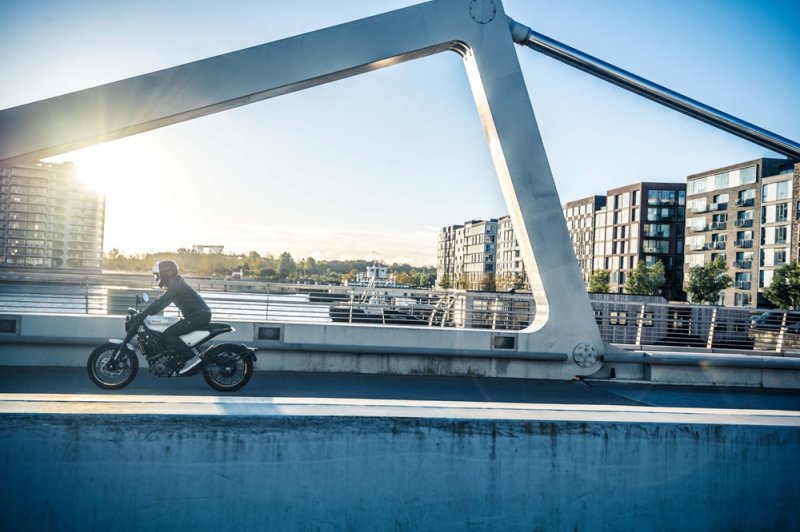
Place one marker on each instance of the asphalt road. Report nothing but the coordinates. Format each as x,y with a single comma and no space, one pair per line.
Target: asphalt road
39,380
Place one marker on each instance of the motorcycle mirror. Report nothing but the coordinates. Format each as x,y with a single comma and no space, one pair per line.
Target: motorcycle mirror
145,297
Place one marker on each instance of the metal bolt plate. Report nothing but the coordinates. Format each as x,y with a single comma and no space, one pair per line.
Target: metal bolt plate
585,355
482,11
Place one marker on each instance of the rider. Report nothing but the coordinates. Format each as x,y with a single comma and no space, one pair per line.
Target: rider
194,309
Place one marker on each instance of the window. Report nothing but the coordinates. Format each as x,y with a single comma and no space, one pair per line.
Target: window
663,214
780,235
697,205
656,246
747,175
742,299
616,317
781,212
662,230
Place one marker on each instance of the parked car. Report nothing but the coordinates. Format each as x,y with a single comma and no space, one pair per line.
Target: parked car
772,319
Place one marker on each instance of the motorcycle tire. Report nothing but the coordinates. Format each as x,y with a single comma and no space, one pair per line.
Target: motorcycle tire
108,379
228,368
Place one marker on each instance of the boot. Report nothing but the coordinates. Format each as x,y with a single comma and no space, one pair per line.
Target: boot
193,362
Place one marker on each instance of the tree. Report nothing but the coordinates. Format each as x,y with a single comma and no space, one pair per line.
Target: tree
784,290
707,281
645,280
488,283
600,282
445,283
286,265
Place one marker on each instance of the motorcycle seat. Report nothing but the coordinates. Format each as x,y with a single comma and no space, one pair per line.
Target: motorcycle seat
216,327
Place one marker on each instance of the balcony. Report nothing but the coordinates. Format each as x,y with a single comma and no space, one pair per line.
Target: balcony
719,206
746,222
743,244
698,210
698,228
719,226
742,285
718,245
743,264
745,202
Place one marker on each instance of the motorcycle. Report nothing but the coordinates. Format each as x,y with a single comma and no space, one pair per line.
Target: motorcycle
113,365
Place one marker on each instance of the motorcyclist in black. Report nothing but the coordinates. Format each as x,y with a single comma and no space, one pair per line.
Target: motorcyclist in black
194,310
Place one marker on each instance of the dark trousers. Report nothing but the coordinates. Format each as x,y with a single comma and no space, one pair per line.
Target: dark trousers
189,323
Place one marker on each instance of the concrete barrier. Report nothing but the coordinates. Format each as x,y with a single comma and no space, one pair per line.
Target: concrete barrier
67,340
145,463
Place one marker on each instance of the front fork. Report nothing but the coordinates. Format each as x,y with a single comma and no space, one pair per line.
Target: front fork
117,357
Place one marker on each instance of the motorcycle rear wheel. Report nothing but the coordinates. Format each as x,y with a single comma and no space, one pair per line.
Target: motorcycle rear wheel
228,368
112,379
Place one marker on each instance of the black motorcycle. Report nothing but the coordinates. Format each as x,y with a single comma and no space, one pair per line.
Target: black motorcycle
225,367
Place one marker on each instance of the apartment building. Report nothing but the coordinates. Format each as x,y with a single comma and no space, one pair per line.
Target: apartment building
466,254
49,219
449,254
642,222
747,215
510,271
580,217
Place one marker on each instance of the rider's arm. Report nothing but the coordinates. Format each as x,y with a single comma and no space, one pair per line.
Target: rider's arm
163,302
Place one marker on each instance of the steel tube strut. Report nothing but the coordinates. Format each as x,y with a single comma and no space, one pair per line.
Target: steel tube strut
525,36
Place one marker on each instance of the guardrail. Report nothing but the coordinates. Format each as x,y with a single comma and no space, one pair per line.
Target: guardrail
626,321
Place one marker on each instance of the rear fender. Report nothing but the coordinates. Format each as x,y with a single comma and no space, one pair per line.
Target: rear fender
241,349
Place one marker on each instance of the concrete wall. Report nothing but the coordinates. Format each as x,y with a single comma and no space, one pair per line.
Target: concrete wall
351,471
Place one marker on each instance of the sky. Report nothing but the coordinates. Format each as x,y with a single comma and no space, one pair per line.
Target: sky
373,166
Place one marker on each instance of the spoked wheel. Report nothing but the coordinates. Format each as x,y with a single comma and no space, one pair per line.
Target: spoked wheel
108,374
228,369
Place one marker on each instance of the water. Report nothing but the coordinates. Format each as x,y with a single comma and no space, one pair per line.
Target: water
105,300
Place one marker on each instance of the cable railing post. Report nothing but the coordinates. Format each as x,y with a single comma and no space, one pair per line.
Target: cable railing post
711,327
640,325
779,342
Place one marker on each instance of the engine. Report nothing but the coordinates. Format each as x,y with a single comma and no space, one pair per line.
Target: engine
165,365
161,358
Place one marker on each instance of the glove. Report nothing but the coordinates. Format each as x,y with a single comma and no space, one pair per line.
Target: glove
137,319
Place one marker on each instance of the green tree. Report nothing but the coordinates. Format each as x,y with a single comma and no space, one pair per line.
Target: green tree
600,282
645,280
286,265
519,282
488,282
784,290
707,281
445,282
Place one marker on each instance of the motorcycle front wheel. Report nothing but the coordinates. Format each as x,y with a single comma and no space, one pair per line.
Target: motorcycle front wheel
112,376
228,369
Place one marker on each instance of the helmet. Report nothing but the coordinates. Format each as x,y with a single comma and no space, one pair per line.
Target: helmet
164,271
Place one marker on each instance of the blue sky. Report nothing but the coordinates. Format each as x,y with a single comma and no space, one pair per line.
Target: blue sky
374,165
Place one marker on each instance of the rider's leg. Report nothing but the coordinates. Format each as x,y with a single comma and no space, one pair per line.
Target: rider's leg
189,323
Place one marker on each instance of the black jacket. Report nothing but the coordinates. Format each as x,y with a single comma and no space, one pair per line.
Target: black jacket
184,296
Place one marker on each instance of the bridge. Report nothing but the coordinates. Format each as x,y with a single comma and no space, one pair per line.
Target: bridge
135,462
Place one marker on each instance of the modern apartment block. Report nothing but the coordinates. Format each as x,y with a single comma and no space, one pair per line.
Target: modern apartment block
580,217
450,254
746,214
466,253
642,222
510,271
48,219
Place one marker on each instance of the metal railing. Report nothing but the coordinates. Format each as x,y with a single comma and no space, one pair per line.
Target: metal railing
631,321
